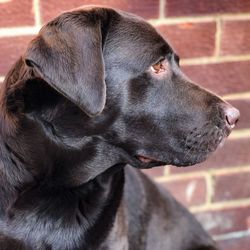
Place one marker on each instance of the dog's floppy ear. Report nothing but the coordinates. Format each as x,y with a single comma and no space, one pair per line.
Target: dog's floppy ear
67,54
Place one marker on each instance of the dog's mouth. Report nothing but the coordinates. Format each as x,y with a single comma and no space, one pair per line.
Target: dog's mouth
149,161
198,145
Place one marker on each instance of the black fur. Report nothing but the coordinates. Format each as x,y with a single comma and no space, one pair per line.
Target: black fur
76,108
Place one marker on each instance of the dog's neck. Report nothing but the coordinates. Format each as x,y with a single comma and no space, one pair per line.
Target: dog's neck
42,215
43,198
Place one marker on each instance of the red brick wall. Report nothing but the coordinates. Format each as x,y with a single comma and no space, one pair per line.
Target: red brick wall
213,38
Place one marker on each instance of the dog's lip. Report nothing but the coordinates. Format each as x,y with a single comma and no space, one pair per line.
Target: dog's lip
149,160
145,159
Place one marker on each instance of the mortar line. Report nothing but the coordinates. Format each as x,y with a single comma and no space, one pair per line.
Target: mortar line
166,171
239,134
4,1
162,5
18,31
236,16
237,96
181,176
37,13
174,21
230,171
202,173
232,235
218,37
223,205
213,59
200,18
210,188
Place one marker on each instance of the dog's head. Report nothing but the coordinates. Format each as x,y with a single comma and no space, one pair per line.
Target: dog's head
101,87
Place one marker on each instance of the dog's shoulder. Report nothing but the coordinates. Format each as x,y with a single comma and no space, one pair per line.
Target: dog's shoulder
153,212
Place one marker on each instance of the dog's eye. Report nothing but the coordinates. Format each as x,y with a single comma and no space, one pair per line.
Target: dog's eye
159,67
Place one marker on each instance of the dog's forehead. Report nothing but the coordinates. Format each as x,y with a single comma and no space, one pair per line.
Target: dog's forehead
133,37
127,30
135,29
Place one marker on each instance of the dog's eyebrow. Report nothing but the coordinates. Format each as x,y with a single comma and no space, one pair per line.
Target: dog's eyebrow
165,49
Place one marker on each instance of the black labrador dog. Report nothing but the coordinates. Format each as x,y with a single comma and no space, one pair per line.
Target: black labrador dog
98,90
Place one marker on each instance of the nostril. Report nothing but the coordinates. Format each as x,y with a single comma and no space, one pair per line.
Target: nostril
230,122
232,116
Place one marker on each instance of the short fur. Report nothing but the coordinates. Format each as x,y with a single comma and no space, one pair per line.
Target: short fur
77,108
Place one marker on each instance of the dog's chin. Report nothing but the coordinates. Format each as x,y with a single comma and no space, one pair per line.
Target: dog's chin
184,160
198,156
199,145
145,162
195,159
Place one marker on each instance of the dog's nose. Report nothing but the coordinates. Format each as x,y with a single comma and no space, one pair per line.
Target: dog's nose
232,115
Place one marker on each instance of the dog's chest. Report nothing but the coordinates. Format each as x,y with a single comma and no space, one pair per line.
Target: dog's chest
118,236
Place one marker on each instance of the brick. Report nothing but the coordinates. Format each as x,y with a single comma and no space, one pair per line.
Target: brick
241,243
240,44
154,172
12,49
225,220
231,186
16,13
233,153
146,8
191,7
189,192
222,78
191,39
243,106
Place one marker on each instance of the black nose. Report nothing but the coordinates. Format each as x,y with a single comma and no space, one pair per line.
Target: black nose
232,115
